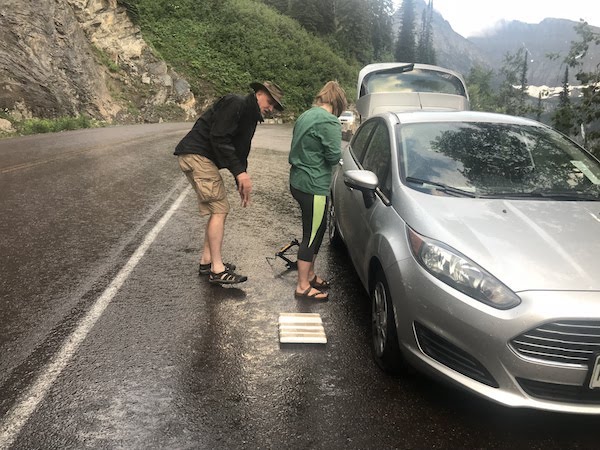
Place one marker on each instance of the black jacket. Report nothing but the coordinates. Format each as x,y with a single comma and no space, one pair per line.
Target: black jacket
224,133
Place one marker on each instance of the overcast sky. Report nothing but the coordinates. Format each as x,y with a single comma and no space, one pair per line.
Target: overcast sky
470,17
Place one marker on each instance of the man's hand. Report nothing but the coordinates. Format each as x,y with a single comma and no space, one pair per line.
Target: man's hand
244,184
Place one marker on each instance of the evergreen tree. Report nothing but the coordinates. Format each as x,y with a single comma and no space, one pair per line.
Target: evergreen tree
425,51
522,106
282,6
510,95
381,29
587,112
362,29
353,29
563,119
539,109
481,94
405,45
316,16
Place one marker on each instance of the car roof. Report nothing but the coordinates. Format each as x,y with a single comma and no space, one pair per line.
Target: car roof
456,116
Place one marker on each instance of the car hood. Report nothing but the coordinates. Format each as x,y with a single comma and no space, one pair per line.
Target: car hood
528,245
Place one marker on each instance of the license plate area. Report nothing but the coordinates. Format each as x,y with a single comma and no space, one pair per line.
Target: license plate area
595,373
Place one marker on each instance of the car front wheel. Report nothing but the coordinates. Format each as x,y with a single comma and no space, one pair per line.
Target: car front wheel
386,349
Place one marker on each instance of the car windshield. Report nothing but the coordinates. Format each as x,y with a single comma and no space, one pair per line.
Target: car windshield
496,160
416,80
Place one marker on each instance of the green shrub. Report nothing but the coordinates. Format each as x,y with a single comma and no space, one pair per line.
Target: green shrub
106,60
35,126
222,46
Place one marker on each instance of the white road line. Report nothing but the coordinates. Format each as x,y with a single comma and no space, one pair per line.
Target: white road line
26,405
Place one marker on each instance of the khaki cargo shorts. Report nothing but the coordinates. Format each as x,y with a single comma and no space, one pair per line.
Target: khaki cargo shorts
206,180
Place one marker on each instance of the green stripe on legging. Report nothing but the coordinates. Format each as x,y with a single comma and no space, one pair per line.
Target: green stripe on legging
319,202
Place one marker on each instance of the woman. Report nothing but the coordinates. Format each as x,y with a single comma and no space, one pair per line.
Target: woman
316,149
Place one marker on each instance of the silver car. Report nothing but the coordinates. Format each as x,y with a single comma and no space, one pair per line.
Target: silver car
477,237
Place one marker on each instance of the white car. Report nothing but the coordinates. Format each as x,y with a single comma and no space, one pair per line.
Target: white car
407,87
348,121
347,118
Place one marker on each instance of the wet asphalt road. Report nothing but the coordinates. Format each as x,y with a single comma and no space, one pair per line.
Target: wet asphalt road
106,346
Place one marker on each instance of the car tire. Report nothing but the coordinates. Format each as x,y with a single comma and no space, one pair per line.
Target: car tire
333,231
386,349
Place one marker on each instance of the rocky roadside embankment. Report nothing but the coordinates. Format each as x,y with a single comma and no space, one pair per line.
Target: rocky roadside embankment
70,57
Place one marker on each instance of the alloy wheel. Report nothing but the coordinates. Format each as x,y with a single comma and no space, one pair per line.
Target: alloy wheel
379,317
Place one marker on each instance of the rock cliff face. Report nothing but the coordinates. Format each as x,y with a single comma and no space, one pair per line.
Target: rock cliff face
70,57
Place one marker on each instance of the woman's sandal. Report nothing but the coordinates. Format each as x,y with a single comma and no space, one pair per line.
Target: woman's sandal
306,295
226,277
323,284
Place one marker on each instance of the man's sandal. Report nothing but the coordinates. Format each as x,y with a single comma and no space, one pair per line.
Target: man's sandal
204,269
306,295
226,277
320,285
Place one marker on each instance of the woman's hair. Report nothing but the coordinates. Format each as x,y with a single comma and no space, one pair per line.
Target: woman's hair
333,94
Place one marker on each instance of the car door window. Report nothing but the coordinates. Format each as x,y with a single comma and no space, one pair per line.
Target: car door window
377,158
361,139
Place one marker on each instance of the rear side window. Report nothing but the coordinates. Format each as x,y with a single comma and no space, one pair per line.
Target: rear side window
361,139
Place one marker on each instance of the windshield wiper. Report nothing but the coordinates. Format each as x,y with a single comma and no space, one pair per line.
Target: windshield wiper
442,187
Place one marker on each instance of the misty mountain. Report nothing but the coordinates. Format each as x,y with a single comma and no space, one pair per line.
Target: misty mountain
452,50
551,36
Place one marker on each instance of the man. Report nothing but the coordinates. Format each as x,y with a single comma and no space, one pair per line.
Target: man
220,139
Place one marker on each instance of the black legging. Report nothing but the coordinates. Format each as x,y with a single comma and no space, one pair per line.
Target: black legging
314,222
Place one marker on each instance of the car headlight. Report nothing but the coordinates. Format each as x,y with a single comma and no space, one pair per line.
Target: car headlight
460,272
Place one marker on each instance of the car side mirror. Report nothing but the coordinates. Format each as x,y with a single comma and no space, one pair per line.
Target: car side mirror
365,181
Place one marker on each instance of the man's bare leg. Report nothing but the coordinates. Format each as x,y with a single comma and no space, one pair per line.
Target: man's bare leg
215,231
205,258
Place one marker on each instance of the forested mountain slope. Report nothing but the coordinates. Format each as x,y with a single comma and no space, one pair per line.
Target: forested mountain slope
152,60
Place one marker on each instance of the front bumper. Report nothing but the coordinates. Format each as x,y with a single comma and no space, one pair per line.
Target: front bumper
451,335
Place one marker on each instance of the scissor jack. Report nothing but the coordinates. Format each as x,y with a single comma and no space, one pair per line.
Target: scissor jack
284,254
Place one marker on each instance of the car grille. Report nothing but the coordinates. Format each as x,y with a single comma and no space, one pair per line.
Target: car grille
566,342
451,356
559,392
